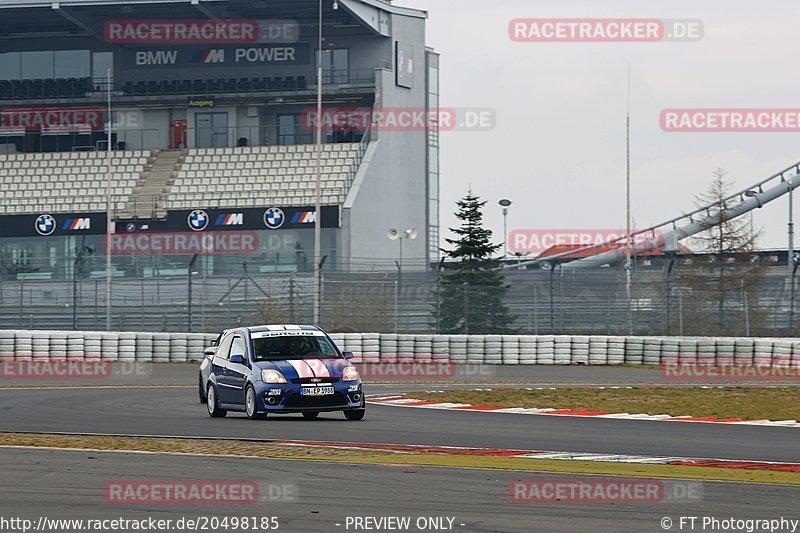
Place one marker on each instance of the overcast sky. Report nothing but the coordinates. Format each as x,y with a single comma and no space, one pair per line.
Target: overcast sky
558,150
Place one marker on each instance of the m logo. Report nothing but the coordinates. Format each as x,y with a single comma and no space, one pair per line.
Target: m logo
304,217
77,224
212,55
230,219
158,57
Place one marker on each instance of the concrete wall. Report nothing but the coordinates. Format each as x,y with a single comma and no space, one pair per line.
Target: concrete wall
394,193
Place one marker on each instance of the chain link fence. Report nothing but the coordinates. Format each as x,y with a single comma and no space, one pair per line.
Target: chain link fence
564,300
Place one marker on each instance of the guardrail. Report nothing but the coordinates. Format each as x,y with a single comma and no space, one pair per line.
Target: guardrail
468,349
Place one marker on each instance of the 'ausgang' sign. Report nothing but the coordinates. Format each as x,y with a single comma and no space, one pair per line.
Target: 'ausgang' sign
181,31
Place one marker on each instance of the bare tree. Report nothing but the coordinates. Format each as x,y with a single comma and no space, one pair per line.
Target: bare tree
729,276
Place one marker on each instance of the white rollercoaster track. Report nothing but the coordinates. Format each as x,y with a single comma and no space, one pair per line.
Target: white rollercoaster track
668,233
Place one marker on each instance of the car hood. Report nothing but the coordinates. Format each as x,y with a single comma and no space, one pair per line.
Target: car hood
307,368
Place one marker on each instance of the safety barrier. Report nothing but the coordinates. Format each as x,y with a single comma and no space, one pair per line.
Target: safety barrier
377,347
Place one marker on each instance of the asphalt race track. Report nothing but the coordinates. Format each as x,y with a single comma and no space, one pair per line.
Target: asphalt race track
33,480
477,499
175,411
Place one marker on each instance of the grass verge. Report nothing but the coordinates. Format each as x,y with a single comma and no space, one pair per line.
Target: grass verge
267,450
747,403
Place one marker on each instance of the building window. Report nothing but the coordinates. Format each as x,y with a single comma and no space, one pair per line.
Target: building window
336,66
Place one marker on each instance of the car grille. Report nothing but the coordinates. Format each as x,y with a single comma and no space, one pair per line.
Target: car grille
297,401
312,380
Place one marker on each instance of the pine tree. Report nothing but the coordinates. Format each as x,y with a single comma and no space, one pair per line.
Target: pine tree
472,299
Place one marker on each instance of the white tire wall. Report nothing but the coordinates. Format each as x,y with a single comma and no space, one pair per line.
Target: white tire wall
598,350
546,350
510,354
762,355
7,348
423,348
492,349
127,347
562,350
371,344
388,344
634,350
110,346
458,348
528,350
616,350
743,352
405,348
93,345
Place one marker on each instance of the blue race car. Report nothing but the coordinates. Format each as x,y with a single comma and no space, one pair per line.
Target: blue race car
282,369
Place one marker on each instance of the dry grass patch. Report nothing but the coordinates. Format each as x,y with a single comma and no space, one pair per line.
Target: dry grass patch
748,403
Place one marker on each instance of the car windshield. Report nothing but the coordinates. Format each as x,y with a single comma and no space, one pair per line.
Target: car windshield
293,347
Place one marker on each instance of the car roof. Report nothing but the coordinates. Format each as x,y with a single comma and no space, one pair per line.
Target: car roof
282,327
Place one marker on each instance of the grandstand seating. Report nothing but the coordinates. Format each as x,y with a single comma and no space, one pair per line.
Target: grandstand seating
215,86
212,178
50,88
66,181
264,175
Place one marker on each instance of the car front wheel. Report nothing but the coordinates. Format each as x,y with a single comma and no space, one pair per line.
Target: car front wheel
250,406
355,414
214,410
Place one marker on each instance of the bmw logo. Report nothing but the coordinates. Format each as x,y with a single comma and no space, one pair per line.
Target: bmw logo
198,220
130,226
274,218
45,225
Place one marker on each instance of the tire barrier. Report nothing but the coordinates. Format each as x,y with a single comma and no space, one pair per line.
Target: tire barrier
27,345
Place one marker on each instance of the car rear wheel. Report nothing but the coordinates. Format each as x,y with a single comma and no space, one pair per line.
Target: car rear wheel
355,414
201,390
250,406
214,410
310,414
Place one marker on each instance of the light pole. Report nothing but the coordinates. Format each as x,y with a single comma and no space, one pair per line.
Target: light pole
505,204
318,179
395,235
109,220
189,299
790,258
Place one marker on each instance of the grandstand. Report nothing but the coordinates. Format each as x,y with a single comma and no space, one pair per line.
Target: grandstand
216,127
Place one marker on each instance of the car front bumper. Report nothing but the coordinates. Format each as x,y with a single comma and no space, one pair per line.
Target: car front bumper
287,397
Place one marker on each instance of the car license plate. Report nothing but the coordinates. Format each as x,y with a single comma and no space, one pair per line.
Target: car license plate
316,391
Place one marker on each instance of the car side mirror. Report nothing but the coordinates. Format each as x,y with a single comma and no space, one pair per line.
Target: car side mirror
348,355
237,359
209,352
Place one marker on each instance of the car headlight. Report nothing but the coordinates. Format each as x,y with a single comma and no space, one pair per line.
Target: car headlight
272,376
350,374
